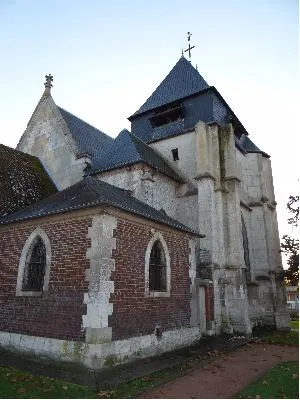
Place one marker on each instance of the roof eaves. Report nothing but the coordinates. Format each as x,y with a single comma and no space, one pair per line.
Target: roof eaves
259,152
103,202
233,114
115,166
239,146
175,177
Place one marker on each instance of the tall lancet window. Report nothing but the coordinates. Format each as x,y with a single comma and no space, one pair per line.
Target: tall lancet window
157,268
246,248
34,272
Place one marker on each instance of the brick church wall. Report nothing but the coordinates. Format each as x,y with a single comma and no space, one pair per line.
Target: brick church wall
133,313
58,313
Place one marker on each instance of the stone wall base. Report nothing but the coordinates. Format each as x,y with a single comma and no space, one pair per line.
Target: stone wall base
282,320
98,356
264,297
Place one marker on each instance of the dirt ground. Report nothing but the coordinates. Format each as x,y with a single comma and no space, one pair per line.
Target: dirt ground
227,375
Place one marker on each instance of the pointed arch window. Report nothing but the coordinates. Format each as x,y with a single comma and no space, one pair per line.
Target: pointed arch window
246,248
34,265
157,268
33,279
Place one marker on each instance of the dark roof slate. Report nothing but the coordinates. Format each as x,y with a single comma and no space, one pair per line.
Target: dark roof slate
90,192
23,180
183,80
126,150
88,138
249,147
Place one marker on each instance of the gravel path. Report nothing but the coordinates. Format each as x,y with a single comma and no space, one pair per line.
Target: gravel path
227,375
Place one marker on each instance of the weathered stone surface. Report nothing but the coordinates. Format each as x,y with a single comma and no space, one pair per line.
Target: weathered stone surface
101,286
48,138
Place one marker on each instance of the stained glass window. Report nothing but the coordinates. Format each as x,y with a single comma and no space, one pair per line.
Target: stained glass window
33,279
157,268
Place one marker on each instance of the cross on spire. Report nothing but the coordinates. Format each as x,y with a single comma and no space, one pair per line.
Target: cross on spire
190,47
49,80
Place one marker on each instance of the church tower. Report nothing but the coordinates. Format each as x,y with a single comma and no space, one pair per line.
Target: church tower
228,195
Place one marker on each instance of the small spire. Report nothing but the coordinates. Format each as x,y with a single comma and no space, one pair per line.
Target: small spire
48,84
182,53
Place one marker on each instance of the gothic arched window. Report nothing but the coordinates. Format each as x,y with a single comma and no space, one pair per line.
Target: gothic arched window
157,268
34,265
33,278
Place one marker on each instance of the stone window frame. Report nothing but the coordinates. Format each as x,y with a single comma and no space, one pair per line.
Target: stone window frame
152,293
38,232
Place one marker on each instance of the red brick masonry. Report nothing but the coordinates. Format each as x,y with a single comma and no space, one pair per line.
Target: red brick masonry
58,313
134,314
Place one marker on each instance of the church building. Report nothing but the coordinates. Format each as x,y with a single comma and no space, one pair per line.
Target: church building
118,249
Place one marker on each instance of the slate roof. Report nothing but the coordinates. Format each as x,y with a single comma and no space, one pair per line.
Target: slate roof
126,150
23,180
249,147
90,192
183,80
88,138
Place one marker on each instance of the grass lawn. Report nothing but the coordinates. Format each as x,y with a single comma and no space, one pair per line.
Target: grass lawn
17,384
22,385
281,382
295,324
290,338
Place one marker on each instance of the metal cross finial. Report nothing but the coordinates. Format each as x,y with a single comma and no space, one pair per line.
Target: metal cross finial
49,80
190,47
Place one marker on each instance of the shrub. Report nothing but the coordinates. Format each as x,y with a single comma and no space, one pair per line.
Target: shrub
294,315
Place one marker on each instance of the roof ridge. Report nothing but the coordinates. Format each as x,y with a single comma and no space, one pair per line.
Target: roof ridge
139,141
87,123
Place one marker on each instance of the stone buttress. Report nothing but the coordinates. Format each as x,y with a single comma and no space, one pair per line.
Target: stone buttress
219,218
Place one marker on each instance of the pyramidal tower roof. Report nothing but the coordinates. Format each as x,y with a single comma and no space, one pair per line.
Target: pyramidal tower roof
182,81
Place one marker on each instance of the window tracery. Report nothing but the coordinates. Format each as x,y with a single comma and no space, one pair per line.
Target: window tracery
33,278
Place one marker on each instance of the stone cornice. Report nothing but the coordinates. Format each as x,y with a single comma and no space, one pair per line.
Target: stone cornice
256,203
204,175
244,204
231,179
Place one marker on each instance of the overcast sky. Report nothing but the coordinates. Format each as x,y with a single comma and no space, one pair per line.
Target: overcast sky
107,57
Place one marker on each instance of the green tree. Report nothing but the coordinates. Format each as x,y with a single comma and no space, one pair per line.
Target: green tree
290,245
